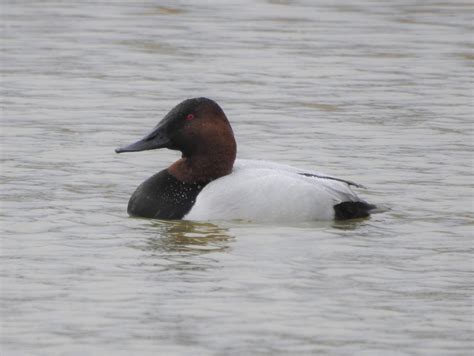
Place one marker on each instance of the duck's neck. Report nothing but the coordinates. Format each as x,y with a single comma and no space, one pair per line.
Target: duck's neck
206,164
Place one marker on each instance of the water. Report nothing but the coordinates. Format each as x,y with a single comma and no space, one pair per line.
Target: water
376,92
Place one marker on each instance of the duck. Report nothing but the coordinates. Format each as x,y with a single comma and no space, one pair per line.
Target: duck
209,183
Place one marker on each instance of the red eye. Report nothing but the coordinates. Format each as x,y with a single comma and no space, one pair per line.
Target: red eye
190,117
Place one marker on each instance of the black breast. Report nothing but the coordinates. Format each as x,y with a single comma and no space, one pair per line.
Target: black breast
162,196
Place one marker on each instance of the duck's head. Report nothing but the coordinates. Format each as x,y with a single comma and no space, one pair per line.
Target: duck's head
198,128
189,127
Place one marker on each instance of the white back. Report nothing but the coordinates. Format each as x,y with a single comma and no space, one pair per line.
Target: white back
267,191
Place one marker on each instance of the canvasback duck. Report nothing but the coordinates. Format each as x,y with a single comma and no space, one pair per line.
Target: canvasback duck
208,183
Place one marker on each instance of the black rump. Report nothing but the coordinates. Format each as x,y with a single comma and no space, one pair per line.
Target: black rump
352,210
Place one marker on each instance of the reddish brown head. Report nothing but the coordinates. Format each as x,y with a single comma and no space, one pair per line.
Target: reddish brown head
200,130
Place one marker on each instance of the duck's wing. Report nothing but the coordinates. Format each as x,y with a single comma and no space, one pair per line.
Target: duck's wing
265,191
348,182
247,163
262,194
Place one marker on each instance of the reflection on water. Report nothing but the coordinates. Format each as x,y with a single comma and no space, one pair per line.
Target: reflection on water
170,247
349,224
188,237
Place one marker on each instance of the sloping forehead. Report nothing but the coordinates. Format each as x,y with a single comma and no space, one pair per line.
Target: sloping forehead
178,112
189,106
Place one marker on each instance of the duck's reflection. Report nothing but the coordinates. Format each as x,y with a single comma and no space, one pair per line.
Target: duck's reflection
188,236
349,225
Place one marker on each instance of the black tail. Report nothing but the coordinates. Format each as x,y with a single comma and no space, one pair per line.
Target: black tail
352,210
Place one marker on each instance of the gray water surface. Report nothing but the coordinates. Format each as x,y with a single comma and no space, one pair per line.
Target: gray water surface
377,92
